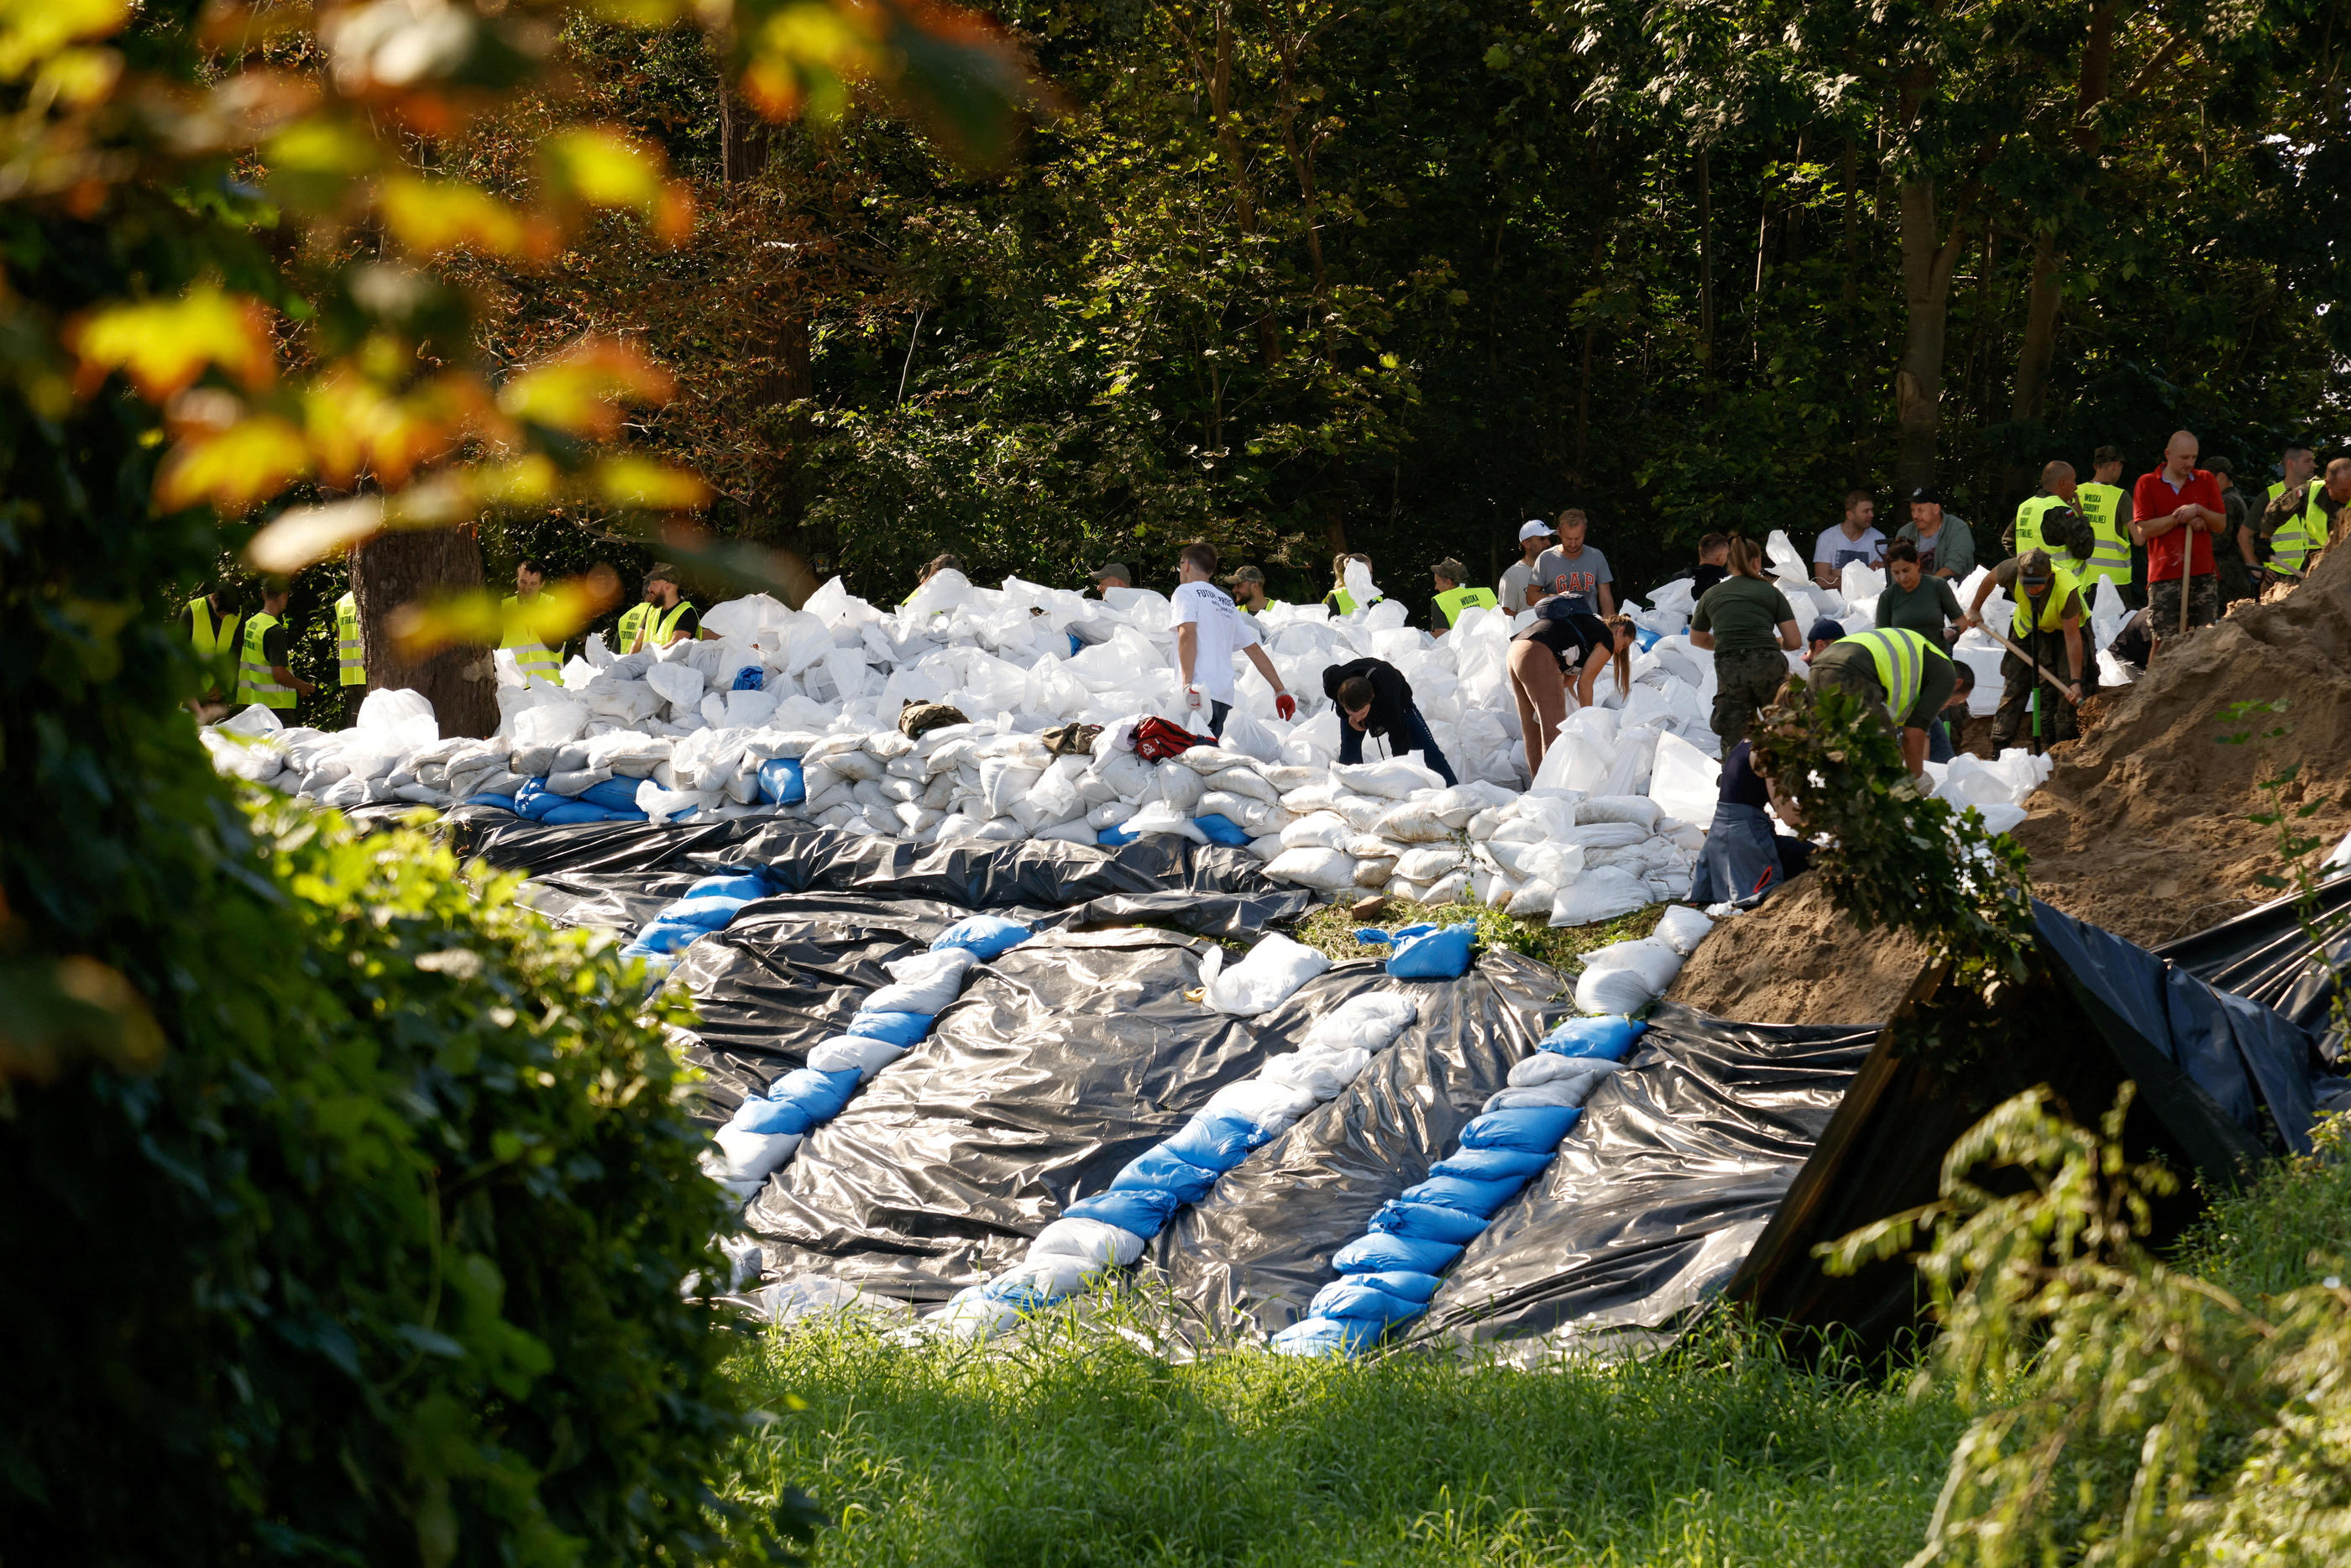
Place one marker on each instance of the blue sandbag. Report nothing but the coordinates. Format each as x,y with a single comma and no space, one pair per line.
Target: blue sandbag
1347,1301
745,885
1402,1283
985,936
821,1094
1609,1038
503,802
1427,1222
704,911
771,1116
1075,646
1373,937
898,1028
1383,1250
534,800
1480,1197
1490,1164
1221,829
1324,1337
1143,1210
1216,1143
574,811
1645,638
1158,1170
617,793
751,677
781,783
661,936
1435,955
1115,836
1532,1127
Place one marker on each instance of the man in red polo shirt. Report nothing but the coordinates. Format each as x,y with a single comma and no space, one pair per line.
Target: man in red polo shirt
2179,506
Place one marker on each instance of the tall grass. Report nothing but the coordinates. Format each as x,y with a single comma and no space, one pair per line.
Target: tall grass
1077,1446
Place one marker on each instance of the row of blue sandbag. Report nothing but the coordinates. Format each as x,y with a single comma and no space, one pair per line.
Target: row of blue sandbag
763,1132
1389,1274
709,905
615,799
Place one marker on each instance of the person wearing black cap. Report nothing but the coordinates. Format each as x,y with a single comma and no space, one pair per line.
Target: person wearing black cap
2048,625
1945,546
1826,631
1900,677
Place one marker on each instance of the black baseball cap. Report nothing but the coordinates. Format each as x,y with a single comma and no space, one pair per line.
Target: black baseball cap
1113,569
1926,494
1826,631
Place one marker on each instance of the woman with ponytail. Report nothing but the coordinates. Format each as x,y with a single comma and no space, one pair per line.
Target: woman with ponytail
1751,627
1563,644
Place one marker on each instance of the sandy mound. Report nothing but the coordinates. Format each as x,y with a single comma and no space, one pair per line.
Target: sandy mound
1795,960
2142,827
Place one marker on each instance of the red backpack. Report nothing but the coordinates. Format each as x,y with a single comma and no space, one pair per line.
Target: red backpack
1156,740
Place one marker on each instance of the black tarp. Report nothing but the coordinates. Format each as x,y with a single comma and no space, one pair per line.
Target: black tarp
1259,1246
1658,1192
2266,955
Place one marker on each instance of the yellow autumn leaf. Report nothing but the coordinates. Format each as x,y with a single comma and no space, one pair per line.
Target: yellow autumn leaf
31,31
595,166
481,618
234,469
312,162
164,344
641,484
581,392
435,217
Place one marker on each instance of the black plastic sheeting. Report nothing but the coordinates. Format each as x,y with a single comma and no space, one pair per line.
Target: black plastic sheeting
1062,1060
2266,955
1259,1245
1660,1191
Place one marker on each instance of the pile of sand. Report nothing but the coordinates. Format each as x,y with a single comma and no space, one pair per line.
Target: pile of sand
1795,959
2142,828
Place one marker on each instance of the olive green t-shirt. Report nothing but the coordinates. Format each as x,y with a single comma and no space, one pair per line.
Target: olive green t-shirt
1742,613
1924,608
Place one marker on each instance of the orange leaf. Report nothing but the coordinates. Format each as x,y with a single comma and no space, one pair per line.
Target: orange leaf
164,344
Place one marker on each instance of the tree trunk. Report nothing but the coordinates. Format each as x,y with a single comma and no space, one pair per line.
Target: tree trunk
742,135
413,567
1927,261
2045,293
1852,227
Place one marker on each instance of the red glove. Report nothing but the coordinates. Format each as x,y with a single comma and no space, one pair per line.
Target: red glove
1286,705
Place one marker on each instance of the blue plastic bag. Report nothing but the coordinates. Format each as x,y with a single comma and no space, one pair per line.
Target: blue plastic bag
1383,1250
619,793
1435,955
1427,1222
1490,1164
765,1115
503,802
1347,1301
577,811
1373,937
1221,829
1645,638
898,1028
1469,1195
985,936
781,782
1216,1143
820,1095
1115,836
1324,1337
1143,1210
1157,1170
703,912
751,677
1537,1128
745,885
1609,1038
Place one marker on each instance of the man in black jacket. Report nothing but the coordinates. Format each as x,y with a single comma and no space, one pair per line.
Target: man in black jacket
1375,699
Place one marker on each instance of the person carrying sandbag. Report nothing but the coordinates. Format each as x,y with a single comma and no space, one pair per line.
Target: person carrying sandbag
1563,639
1375,699
1751,626
1901,677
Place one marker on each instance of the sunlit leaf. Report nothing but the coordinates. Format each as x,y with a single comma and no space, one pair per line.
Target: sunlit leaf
77,78
356,426
480,618
312,162
598,167
165,344
434,217
31,31
306,534
580,393
235,470
642,484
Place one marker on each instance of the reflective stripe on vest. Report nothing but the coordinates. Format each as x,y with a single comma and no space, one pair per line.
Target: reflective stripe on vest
2028,522
1901,659
2062,587
214,645
2291,545
2110,556
256,682
346,640
1453,601
532,656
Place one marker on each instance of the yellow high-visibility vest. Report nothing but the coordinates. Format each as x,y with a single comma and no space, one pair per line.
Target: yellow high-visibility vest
2028,522
531,655
633,621
215,644
257,680
1453,601
346,640
2062,586
2101,506
1901,658
2291,545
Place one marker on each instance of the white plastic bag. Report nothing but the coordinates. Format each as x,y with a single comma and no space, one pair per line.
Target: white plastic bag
1263,979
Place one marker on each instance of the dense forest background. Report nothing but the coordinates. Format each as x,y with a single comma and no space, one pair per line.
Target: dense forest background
1298,276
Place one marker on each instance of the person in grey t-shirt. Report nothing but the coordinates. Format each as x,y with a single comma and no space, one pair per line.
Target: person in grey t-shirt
1535,537
1575,569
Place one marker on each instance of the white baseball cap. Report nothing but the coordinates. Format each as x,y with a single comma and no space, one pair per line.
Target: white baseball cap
1535,528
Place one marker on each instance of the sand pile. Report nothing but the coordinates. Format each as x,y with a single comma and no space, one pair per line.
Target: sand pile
2142,828
1796,959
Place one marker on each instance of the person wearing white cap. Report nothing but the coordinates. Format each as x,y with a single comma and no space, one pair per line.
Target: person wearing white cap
1535,537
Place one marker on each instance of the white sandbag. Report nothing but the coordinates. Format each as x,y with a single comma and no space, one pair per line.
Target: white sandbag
1391,779
926,983
1324,870
1682,927
1323,1073
844,1052
973,1316
1638,810
1562,1092
1427,865
1655,961
1612,991
1260,1102
1370,1020
549,723
1263,979
739,1155
679,684
1161,817
1180,787
1054,1275
1416,822
1375,872
1533,900
1321,830
1093,1243
1603,893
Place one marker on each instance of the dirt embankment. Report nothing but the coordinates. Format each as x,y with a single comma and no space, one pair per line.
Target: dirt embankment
1797,960
2142,828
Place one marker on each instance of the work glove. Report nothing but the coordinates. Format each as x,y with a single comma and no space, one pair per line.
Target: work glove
1193,697
1286,705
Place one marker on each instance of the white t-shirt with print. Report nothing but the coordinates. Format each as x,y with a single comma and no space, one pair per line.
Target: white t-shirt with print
1223,631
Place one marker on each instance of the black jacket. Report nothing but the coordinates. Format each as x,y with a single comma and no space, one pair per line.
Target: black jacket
1391,692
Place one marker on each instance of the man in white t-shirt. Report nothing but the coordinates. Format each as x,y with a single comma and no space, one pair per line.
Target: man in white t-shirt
1855,539
1209,628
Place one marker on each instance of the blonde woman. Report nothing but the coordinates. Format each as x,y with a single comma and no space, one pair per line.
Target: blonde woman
1563,645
